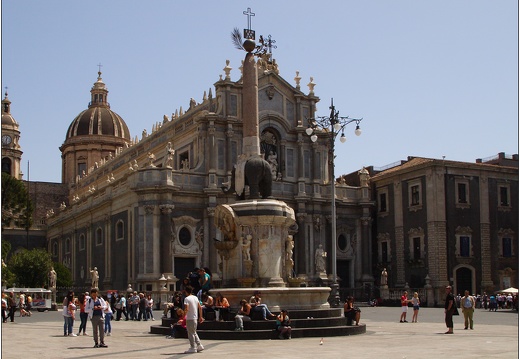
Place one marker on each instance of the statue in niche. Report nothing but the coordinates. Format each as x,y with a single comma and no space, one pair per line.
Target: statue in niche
246,247
272,158
319,259
185,163
384,277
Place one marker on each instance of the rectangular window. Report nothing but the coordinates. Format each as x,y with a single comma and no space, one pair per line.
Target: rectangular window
461,193
290,162
382,202
504,196
384,252
184,160
81,242
464,246
507,247
306,164
221,155
416,248
415,195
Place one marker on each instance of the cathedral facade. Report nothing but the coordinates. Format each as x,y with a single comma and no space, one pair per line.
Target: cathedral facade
143,207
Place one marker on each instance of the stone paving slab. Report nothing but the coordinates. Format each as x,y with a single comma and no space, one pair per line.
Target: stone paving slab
495,336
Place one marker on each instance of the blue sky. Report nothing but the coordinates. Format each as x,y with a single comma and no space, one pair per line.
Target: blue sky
430,78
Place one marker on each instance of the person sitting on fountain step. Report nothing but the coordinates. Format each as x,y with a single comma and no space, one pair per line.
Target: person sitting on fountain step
242,315
256,304
178,329
207,304
221,307
283,325
351,312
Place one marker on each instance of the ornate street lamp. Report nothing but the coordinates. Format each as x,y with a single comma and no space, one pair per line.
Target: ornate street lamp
331,126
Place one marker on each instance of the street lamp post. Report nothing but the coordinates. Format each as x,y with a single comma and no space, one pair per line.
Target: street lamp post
335,124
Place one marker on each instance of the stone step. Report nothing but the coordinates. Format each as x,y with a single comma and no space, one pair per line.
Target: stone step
258,334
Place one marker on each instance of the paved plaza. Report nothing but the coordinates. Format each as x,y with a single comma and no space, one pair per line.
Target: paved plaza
495,336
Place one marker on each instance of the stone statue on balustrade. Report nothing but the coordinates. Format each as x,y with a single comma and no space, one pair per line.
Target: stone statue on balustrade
52,278
95,277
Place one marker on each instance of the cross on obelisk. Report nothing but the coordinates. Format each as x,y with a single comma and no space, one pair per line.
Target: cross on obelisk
249,33
270,44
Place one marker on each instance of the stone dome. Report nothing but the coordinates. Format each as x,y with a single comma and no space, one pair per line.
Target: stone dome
98,119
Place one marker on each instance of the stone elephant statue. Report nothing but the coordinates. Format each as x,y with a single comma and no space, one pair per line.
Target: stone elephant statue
256,174
258,177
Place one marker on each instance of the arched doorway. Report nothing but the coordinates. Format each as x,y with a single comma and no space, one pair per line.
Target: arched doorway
464,280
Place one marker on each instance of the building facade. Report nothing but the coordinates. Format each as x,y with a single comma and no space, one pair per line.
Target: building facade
447,222
141,207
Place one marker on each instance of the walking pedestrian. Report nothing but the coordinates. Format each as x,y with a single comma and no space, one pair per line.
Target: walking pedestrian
96,312
449,309
108,317
467,305
12,306
193,311
4,308
83,315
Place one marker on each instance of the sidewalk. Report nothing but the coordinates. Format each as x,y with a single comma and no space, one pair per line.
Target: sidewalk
495,336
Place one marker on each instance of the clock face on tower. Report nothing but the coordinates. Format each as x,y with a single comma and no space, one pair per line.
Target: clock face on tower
6,140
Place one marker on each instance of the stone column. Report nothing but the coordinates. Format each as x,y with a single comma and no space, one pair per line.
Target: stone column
166,255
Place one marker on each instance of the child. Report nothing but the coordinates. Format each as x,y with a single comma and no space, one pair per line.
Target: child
179,328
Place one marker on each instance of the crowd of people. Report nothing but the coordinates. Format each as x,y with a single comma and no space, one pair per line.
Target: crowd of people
10,304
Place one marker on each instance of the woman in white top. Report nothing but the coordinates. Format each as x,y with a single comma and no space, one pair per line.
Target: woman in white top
149,308
108,317
415,303
69,314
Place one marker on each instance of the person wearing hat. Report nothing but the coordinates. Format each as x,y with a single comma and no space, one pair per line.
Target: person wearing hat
449,309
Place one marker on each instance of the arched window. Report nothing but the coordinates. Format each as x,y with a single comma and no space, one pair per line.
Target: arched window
120,230
81,242
55,249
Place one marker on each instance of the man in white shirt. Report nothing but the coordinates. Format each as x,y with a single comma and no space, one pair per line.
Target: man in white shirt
96,312
193,312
